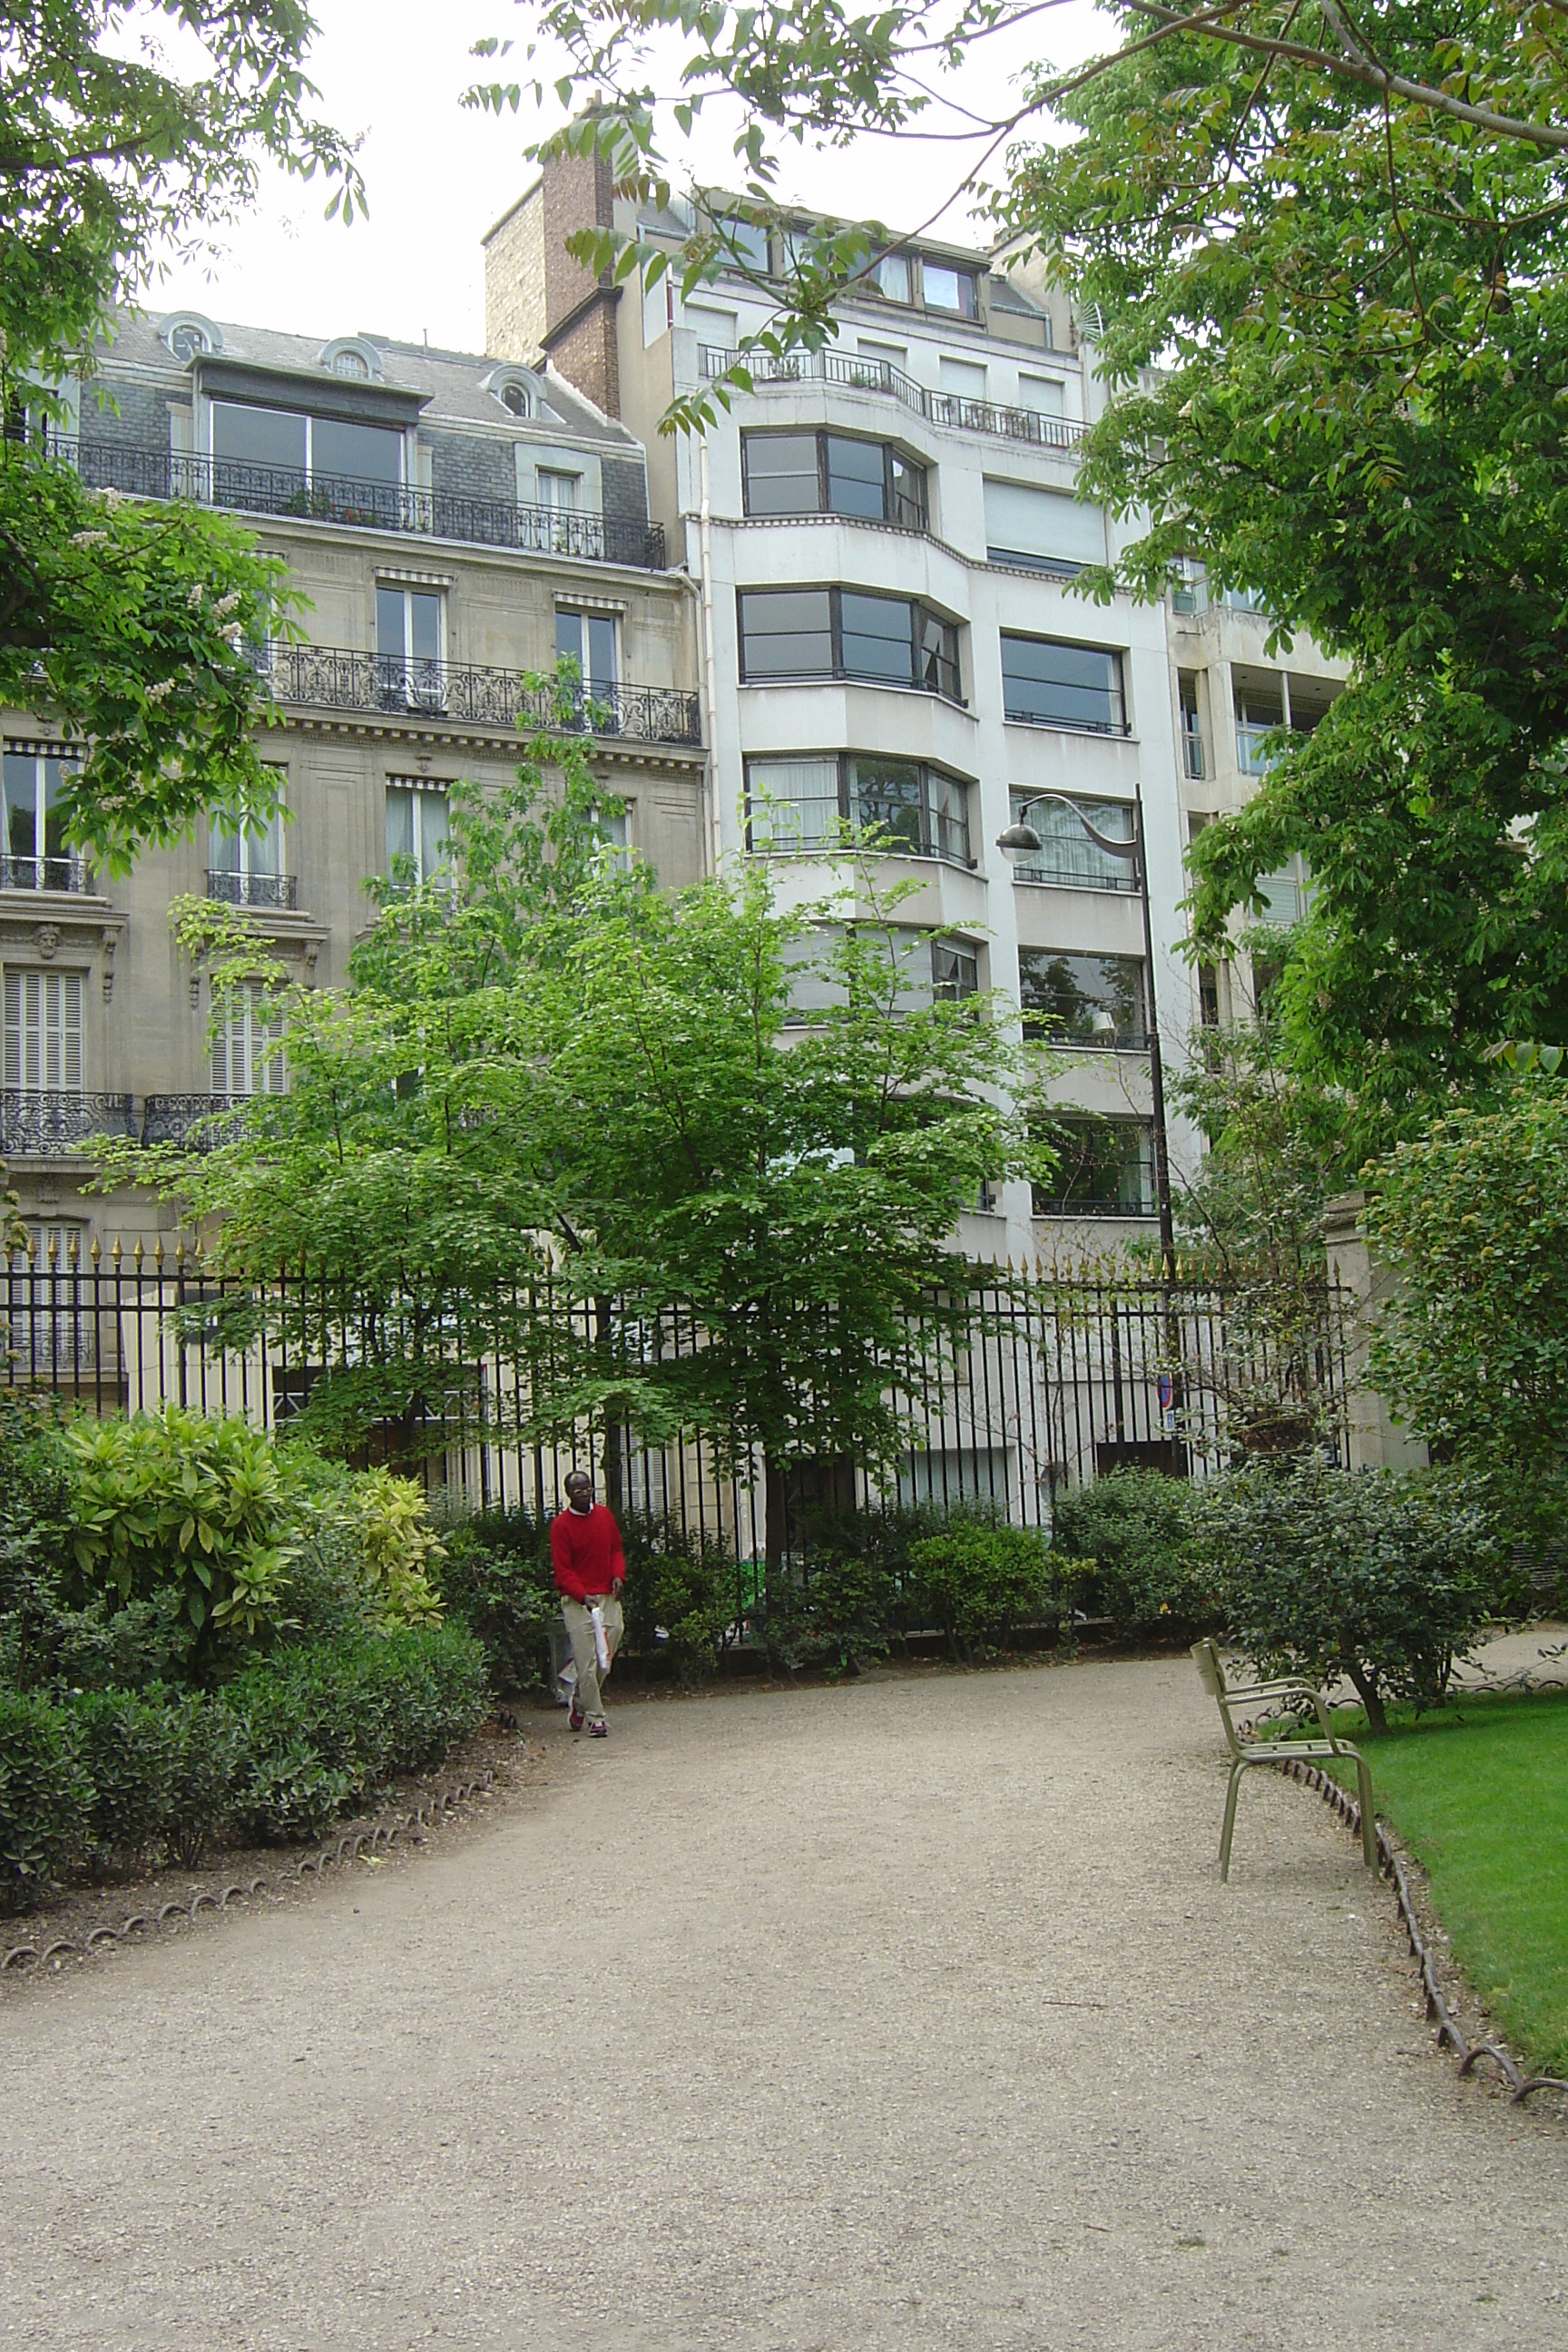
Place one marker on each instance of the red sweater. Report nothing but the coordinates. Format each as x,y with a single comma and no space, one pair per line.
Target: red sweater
585,1547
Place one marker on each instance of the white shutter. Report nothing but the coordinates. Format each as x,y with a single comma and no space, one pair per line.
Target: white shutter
965,377
12,1030
1023,521
64,989
43,1032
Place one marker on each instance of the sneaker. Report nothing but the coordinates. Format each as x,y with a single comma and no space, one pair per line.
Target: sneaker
574,1721
600,1730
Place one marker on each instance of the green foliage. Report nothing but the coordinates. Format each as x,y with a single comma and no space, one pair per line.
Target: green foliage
128,1753
496,1577
46,1798
978,1578
681,1584
399,1549
837,1613
1472,1219
1136,1530
1384,1577
173,1498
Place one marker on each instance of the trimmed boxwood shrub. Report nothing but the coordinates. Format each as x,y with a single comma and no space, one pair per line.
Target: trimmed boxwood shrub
979,1578
1152,1580
46,1798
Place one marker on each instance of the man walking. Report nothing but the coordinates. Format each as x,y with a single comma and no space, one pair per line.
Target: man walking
590,1569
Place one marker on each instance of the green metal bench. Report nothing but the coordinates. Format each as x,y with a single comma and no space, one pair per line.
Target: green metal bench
1244,1752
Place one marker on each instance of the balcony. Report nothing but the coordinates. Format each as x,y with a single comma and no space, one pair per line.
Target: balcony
254,889
144,471
35,1125
66,873
945,408
184,1119
329,677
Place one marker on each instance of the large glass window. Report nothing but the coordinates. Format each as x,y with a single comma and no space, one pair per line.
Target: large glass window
747,241
1067,857
1047,683
832,473
1034,530
408,648
845,632
34,855
891,276
948,289
246,868
954,973
260,455
1083,1000
802,804
43,1032
417,838
1105,1168
589,640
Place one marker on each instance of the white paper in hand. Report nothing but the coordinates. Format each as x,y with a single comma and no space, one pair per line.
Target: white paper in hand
601,1640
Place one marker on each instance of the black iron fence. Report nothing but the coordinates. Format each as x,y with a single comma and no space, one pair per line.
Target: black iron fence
955,409
331,678
146,470
43,1123
1052,1381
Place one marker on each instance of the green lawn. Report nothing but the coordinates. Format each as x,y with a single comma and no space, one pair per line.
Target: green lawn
1480,1795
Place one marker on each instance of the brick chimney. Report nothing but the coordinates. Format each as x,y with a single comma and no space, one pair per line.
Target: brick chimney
540,303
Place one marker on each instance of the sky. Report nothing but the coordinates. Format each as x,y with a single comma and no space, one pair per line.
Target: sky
436,176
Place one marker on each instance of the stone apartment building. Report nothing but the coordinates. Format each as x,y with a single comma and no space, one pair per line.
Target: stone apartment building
455,521
885,539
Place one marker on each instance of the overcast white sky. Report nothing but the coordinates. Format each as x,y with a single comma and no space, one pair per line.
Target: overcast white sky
437,175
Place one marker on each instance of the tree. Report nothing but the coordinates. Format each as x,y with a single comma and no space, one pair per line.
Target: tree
565,1121
1321,257
129,624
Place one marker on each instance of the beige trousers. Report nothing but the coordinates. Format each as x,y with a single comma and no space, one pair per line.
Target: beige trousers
585,1656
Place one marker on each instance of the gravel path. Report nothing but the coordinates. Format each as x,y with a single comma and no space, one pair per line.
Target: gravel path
904,2013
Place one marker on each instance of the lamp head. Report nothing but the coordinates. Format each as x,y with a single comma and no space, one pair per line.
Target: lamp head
1019,840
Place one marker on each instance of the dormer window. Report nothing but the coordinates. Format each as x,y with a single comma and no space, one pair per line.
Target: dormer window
186,335
353,358
515,390
515,397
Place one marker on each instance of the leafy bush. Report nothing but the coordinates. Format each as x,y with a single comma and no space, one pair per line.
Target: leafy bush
46,1798
127,1751
1386,1577
399,1549
978,1578
171,1498
1148,1578
836,1612
680,1586
496,1577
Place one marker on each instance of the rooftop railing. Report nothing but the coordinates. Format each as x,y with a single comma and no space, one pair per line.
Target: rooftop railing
329,677
951,409
145,470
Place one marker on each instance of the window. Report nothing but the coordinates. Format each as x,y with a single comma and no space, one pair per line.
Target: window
1067,857
801,803
1083,1000
557,491
515,397
247,1044
351,364
1260,710
1046,682
261,455
1042,395
1191,729
1209,996
408,627
954,973
416,831
843,633
746,241
891,277
1041,531
589,640
1189,588
948,289
43,1032
1105,1168
1284,895
34,855
830,473
964,381
246,868
54,1329
956,1474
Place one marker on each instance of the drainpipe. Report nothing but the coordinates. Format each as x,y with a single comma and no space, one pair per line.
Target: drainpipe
715,834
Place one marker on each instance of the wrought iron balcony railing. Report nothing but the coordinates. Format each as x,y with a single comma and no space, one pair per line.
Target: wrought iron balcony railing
951,409
144,471
195,1120
329,677
254,889
66,873
47,1125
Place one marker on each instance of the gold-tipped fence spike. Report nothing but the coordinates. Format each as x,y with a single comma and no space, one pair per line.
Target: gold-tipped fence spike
53,1251
73,1251
96,1253
179,1253
158,1254
139,1253
117,1253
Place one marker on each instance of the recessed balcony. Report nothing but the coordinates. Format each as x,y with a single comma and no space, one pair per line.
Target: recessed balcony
953,410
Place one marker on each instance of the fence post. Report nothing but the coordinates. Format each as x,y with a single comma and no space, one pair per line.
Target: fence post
1376,1440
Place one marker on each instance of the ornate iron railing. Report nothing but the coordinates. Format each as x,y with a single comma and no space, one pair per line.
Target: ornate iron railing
66,873
187,1118
47,1125
329,677
142,471
951,409
254,889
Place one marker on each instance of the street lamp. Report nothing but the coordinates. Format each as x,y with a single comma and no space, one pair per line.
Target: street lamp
1021,840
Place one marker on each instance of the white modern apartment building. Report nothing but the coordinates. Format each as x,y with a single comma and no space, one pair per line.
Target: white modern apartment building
886,537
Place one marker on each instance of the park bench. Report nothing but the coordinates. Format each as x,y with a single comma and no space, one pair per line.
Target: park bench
1228,1696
